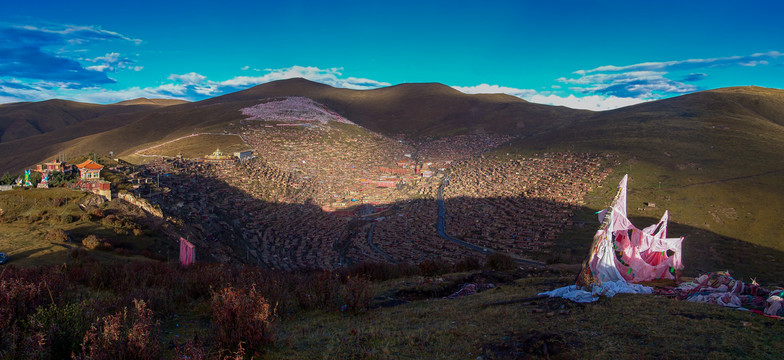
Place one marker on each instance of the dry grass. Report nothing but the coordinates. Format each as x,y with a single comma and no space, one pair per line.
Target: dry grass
627,326
28,216
199,146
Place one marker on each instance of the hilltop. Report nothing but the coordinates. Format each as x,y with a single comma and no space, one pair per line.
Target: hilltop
713,158
420,110
28,119
146,101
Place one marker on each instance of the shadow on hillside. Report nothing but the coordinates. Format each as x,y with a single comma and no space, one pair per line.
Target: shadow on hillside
227,224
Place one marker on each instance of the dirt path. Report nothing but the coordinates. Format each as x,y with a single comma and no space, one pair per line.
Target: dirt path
137,152
732,179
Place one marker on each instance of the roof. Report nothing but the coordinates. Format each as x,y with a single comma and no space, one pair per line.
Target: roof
89,165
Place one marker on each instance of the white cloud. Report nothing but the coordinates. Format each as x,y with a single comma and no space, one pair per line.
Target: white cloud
494,89
190,78
81,34
189,86
756,58
591,102
331,76
111,62
650,80
100,68
246,67
11,92
108,58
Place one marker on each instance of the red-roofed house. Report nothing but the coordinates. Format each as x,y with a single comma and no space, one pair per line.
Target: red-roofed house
89,170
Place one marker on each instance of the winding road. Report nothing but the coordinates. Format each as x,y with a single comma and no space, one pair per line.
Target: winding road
441,227
376,248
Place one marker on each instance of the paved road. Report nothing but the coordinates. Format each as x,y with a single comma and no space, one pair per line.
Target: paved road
442,230
376,248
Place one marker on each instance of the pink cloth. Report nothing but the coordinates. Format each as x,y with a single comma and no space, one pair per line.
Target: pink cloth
628,253
187,253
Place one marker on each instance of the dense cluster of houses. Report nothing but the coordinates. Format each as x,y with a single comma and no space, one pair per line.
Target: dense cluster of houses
290,206
296,201
516,204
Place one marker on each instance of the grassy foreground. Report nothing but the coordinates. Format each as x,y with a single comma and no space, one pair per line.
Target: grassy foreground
151,310
627,326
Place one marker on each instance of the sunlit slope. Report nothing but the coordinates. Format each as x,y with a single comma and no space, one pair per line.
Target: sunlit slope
714,158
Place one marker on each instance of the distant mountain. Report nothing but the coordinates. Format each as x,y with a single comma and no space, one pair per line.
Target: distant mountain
413,109
420,109
21,120
146,101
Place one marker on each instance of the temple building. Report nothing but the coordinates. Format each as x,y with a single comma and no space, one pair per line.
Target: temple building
89,170
55,165
218,155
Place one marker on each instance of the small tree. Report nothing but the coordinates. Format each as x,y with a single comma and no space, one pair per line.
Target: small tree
58,178
35,177
7,179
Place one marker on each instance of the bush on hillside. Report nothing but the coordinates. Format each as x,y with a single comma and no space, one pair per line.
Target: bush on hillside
500,262
63,327
356,293
91,242
241,316
123,336
56,236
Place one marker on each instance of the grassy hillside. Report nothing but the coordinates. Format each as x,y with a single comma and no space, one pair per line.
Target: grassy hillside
146,101
713,158
209,311
22,120
422,109
30,217
199,146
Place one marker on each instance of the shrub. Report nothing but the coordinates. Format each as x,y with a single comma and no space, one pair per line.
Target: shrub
97,213
56,236
318,290
67,218
123,252
434,267
468,264
79,254
151,255
380,271
56,202
105,246
191,350
356,293
500,262
241,316
63,328
121,336
138,232
91,242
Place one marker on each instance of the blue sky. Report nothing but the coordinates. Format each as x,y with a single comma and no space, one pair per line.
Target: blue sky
585,54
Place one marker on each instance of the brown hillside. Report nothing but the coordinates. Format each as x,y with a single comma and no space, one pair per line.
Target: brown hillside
714,158
146,101
422,109
414,109
23,120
